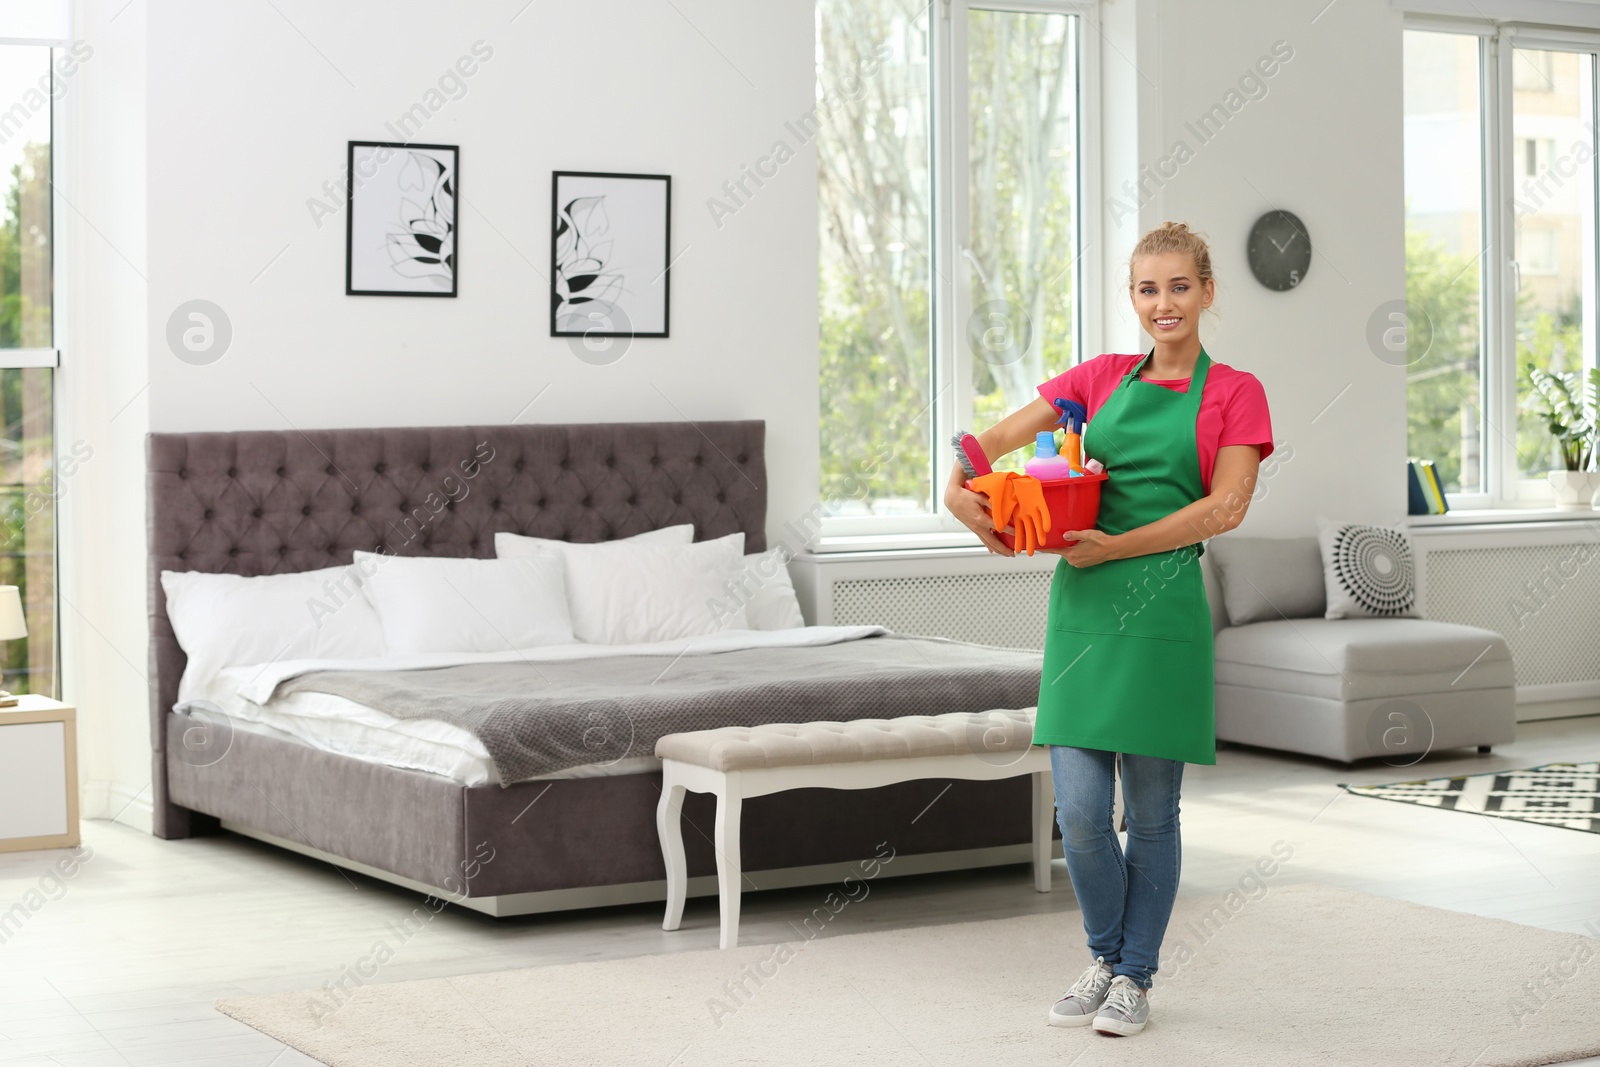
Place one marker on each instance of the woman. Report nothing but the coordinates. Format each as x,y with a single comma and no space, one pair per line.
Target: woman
1127,655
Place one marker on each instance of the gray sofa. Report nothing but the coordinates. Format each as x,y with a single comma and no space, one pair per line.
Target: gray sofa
1344,689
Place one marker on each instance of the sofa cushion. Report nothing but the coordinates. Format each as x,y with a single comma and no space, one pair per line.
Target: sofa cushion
1359,658
1485,674
1270,578
1368,571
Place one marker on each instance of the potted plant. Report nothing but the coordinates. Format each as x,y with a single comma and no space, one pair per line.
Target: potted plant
1567,403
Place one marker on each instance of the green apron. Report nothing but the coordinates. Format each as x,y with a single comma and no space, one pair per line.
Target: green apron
1128,662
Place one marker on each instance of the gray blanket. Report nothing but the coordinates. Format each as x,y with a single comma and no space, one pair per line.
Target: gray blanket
539,718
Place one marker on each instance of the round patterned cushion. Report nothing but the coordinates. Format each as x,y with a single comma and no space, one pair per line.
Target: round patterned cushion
1368,570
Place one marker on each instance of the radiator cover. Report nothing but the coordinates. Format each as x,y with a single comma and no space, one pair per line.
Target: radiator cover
1544,597
992,609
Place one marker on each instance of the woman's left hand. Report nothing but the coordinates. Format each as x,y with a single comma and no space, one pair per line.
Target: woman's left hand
1094,546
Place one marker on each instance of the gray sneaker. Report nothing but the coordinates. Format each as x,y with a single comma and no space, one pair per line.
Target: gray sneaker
1125,1010
1078,1004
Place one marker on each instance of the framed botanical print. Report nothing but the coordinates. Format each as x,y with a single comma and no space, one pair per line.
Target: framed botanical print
609,254
401,234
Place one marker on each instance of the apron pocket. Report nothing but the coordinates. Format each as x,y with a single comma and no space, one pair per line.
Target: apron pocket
1146,596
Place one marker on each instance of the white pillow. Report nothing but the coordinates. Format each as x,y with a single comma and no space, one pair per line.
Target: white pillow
439,604
512,546
771,603
625,593
227,620
1367,571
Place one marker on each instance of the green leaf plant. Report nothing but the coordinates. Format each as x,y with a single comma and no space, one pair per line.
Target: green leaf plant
1567,404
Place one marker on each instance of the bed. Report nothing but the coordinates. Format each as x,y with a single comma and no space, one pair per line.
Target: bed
268,502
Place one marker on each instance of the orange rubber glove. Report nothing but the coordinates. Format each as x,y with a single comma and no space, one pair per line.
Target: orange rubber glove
1030,514
1002,501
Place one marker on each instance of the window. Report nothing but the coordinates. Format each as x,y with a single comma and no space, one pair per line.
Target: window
950,229
28,482
1552,292
1534,155
1536,252
876,271
1533,72
1496,282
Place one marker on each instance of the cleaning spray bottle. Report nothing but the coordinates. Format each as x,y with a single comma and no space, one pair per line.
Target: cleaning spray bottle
1046,465
1073,417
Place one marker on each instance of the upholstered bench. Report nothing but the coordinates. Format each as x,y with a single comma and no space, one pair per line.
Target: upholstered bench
736,762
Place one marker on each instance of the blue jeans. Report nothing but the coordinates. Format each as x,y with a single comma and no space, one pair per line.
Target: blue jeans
1126,900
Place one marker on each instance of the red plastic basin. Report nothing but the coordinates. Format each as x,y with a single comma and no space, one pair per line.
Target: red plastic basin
1074,504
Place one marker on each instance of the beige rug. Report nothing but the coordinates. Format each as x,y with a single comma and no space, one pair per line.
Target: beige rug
1305,974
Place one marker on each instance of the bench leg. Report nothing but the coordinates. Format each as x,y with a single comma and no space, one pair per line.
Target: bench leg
1044,817
669,827
729,872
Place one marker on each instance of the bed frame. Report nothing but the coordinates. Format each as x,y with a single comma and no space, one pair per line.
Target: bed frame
269,502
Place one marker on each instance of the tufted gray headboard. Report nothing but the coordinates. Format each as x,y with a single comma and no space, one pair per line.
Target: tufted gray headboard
272,502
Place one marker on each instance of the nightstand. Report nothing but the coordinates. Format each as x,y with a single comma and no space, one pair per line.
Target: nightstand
38,775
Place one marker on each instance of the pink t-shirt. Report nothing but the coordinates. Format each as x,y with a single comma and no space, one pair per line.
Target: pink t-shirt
1233,410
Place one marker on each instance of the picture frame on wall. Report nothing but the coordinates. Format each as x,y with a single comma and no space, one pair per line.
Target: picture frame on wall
610,241
401,236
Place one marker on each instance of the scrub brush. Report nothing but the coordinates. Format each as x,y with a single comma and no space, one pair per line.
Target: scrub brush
970,455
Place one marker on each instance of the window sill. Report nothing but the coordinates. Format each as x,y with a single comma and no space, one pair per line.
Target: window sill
1502,516
959,542
896,542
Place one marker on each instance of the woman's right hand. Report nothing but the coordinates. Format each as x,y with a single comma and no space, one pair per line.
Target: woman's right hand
973,511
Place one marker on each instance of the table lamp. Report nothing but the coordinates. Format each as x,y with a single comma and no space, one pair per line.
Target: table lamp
13,626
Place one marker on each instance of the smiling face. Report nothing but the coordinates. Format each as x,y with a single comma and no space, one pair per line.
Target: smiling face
1168,296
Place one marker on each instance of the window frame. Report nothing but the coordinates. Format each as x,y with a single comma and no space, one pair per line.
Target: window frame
950,360
1503,486
18,358
49,358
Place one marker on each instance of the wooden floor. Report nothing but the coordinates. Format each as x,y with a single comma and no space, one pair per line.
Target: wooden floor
122,966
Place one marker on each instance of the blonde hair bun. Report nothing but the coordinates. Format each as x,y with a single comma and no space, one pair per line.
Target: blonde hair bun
1173,237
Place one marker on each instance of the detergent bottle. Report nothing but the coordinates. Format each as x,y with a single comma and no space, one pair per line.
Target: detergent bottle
1046,465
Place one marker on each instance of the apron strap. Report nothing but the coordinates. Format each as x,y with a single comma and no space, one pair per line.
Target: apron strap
1197,378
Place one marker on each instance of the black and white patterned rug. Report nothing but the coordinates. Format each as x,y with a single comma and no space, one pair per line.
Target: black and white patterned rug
1555,794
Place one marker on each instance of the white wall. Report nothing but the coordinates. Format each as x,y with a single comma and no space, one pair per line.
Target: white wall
1324,142
249,115
102,406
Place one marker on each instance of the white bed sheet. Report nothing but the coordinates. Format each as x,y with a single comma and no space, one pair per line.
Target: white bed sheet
335,724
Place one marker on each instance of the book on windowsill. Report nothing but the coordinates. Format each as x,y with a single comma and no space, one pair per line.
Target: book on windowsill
1440,500
1424,491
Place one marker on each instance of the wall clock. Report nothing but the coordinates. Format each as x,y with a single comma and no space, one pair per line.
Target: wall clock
1279,250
